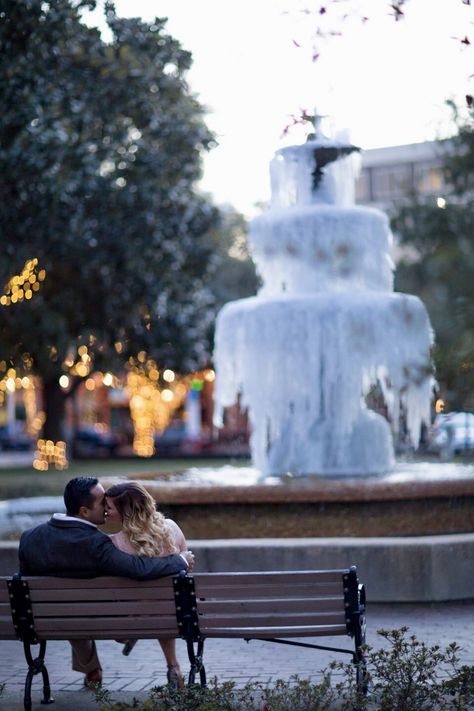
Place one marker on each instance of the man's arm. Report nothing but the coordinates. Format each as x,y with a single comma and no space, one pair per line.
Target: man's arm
112,561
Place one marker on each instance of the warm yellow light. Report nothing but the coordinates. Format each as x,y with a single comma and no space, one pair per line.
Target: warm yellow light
3,300
25,382
28,294
49,452
42,275
90,384
210,376
167,395
64,381
82,350
82,370
142,356
118,346
439,406
108,379
11,385
168,375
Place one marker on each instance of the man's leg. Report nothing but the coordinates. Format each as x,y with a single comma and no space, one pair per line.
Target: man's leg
84,655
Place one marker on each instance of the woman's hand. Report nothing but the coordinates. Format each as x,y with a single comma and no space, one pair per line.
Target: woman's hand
189,555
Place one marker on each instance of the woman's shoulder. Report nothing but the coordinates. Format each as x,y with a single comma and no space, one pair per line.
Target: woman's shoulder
177,533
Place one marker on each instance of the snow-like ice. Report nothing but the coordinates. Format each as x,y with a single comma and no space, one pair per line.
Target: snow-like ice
324,329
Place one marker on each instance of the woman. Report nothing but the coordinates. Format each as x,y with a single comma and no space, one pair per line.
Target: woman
145,531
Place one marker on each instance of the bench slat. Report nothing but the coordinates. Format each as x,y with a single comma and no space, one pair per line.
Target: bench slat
4,593
7,631
272,577
92,625
306,604
267,633
268,620
115,635
207,590
49,583
117,594
76,609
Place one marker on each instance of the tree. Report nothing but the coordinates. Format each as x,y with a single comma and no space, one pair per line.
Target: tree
100,149
235,275
440,267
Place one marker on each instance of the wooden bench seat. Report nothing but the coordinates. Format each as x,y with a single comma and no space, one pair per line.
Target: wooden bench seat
271,606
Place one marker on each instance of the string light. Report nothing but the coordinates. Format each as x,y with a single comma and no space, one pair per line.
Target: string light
49,453
22,286
151,406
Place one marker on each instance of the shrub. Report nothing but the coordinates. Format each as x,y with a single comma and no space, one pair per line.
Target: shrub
404,675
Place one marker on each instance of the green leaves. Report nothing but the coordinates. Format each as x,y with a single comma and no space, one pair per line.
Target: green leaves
100,149
438,266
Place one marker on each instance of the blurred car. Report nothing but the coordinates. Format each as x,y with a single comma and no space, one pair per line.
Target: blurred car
170,442
17,441
453,432
95,441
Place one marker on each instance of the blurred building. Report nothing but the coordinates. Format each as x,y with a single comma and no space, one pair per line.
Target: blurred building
390,174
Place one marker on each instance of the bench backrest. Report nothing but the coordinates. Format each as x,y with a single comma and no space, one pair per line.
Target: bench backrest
98,608
306,603
292,604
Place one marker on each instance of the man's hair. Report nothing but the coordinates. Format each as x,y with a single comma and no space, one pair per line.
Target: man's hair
78,493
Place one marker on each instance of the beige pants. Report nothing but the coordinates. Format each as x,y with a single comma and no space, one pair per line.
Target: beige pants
84,655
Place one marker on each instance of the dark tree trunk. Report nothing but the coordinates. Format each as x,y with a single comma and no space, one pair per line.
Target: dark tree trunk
54,407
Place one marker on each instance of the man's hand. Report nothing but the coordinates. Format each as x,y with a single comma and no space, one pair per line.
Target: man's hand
189,555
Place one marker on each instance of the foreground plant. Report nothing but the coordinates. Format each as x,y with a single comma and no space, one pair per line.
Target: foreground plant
405,675
409,675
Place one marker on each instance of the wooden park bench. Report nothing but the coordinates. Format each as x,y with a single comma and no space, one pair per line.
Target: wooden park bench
270,606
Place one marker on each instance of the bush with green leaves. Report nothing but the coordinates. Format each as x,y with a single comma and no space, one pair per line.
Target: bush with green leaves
404,675
409,675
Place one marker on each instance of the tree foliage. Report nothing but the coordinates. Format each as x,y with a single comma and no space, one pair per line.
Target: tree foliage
100,147
440,266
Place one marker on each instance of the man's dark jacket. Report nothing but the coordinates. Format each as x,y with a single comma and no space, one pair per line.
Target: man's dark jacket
72,549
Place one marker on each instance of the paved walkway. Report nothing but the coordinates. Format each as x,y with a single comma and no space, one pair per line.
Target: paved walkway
233,660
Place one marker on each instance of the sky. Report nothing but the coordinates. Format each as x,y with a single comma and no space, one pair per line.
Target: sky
385,82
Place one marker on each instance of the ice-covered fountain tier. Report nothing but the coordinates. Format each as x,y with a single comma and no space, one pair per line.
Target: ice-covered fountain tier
324,328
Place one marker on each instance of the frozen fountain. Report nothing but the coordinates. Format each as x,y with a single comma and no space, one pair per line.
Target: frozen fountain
325,328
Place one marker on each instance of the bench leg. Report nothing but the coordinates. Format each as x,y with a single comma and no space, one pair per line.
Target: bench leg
361,672
197,665
36,666
359,658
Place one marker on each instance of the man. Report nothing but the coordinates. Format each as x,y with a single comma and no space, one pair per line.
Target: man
70,545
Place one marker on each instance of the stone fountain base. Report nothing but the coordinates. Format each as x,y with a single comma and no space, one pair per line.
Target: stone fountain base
416,500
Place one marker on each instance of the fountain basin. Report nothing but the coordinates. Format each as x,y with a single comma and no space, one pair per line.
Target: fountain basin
416,500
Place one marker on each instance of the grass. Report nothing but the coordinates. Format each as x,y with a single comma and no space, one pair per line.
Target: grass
26,481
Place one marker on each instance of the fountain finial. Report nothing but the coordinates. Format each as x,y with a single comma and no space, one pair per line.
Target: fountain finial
316,120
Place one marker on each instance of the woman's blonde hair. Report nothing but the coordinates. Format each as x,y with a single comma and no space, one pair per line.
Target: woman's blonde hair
145,527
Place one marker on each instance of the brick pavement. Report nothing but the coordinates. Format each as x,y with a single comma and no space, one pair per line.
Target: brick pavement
227,659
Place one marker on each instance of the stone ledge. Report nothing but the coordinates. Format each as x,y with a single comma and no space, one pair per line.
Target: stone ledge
395,569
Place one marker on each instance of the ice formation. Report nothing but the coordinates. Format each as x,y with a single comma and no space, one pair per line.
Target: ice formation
324,328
